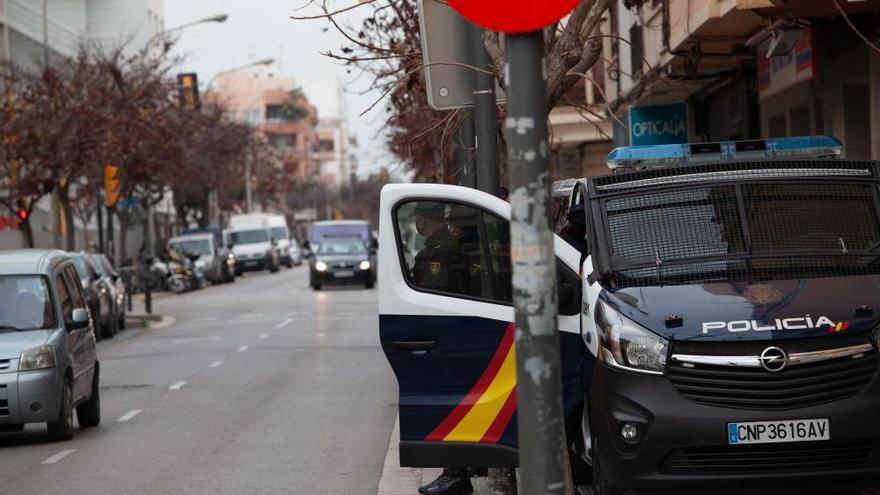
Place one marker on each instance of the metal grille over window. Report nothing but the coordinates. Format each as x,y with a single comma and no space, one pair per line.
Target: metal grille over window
743,221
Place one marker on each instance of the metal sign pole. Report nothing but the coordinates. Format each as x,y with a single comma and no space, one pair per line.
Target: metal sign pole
465,156
538,370
485,119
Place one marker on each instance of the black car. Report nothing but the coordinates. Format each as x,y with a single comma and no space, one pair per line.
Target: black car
116,286
341,261
98,293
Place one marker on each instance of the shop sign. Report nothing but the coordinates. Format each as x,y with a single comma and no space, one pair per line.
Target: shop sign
776,74
658,124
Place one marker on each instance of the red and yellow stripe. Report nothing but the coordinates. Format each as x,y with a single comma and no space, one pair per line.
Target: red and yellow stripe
485,412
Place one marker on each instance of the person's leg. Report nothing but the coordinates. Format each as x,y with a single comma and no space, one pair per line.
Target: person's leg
452,481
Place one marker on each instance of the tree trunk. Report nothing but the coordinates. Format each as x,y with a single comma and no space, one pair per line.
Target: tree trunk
27,233
67,211
124,220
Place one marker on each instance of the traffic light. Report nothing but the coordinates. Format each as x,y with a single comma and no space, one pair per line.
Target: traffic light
188,89
21,207
111,185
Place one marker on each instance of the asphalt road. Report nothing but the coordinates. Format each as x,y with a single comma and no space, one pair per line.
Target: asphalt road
261,387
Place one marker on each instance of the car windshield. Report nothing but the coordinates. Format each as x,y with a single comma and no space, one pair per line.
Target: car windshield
25,303
192,246
249,236
96,264
279,233
82,267
340,231
338,246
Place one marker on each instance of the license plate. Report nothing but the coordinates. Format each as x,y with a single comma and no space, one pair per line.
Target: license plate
250,263
343,274
794,430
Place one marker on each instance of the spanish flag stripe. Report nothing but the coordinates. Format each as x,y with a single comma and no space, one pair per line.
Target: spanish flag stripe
493,434
479,418
461,410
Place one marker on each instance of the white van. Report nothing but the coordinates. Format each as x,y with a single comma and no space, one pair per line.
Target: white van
252,243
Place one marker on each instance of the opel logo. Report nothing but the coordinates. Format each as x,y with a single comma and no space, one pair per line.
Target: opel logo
774,359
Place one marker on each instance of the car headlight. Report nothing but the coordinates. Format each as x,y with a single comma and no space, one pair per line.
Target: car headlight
320,266
38,358
365,265
625,345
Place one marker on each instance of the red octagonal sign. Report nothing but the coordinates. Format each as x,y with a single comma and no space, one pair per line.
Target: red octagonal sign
513,16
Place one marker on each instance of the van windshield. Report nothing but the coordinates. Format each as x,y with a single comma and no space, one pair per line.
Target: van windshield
25,303
193,246
732,230
279,233
249,236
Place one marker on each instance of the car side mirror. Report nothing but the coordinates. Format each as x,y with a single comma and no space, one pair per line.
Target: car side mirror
96,276
79,319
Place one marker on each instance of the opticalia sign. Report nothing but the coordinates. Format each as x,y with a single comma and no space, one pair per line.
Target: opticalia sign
658,124
776,74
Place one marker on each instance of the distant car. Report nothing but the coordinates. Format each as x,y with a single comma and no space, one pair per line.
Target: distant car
48,359
217,264
254,249
99,298
116,286
341,261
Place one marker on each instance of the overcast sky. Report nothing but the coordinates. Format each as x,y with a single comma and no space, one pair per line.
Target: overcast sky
257,29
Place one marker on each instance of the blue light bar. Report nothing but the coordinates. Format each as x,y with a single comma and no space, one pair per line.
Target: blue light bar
724,151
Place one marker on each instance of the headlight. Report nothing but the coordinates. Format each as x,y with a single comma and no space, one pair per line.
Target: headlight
320,266
626,345
365,265
38,358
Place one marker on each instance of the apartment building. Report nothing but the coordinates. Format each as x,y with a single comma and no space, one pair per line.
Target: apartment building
679,70
335,149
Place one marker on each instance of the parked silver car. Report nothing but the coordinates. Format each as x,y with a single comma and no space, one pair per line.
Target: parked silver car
48,360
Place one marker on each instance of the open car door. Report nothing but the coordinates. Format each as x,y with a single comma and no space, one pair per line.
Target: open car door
446,324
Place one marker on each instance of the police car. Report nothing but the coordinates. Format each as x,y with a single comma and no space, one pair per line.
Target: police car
723,333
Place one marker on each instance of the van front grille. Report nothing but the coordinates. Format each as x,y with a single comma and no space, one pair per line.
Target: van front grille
755,388
778,458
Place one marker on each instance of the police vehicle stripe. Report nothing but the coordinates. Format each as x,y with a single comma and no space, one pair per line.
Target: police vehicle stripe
478,409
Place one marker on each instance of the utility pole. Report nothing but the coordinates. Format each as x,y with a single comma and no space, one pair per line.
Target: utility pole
465,155
248,186
538,370
485,115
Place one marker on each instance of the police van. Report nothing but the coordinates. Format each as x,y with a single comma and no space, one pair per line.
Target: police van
720,331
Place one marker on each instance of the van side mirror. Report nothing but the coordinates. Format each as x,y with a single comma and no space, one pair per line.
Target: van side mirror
79,319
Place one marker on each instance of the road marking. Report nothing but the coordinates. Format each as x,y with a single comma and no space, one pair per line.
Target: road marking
129,415
215,364
206,318
177,385
251,315
242,348
284,323
264,335
57,457
322,334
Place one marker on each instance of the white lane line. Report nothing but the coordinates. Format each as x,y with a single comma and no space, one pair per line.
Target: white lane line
215,364
242,348
251,315
322,334
284,323
129,415
57,457
264,335
177,385
206,318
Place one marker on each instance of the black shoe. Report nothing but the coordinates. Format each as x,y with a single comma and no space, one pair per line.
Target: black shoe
450,482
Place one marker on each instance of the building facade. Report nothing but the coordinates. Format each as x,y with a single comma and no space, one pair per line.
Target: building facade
335,148
679,71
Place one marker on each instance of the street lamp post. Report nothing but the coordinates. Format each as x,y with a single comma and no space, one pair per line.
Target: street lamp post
219,18
248,182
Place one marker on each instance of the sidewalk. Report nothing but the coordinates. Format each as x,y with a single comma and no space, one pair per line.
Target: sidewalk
396,480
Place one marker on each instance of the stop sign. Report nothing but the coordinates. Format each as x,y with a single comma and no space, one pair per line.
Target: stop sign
513,16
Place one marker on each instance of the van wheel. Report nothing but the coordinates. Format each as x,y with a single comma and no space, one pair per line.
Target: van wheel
369,284
121,324
61,429
316,286
107,330
88,414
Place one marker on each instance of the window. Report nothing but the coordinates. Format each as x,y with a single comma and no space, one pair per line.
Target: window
637,50
455,249
325,145
25,303
76,287
273,112
64,298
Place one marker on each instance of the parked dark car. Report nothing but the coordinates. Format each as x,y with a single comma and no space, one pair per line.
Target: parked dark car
341,261
115,285
99,297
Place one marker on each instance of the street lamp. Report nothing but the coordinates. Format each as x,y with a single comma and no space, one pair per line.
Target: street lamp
265,61
219,18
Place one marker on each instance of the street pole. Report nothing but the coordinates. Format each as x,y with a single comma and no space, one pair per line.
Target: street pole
465,155
111,251
538,371
248,187
485,118
100,223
